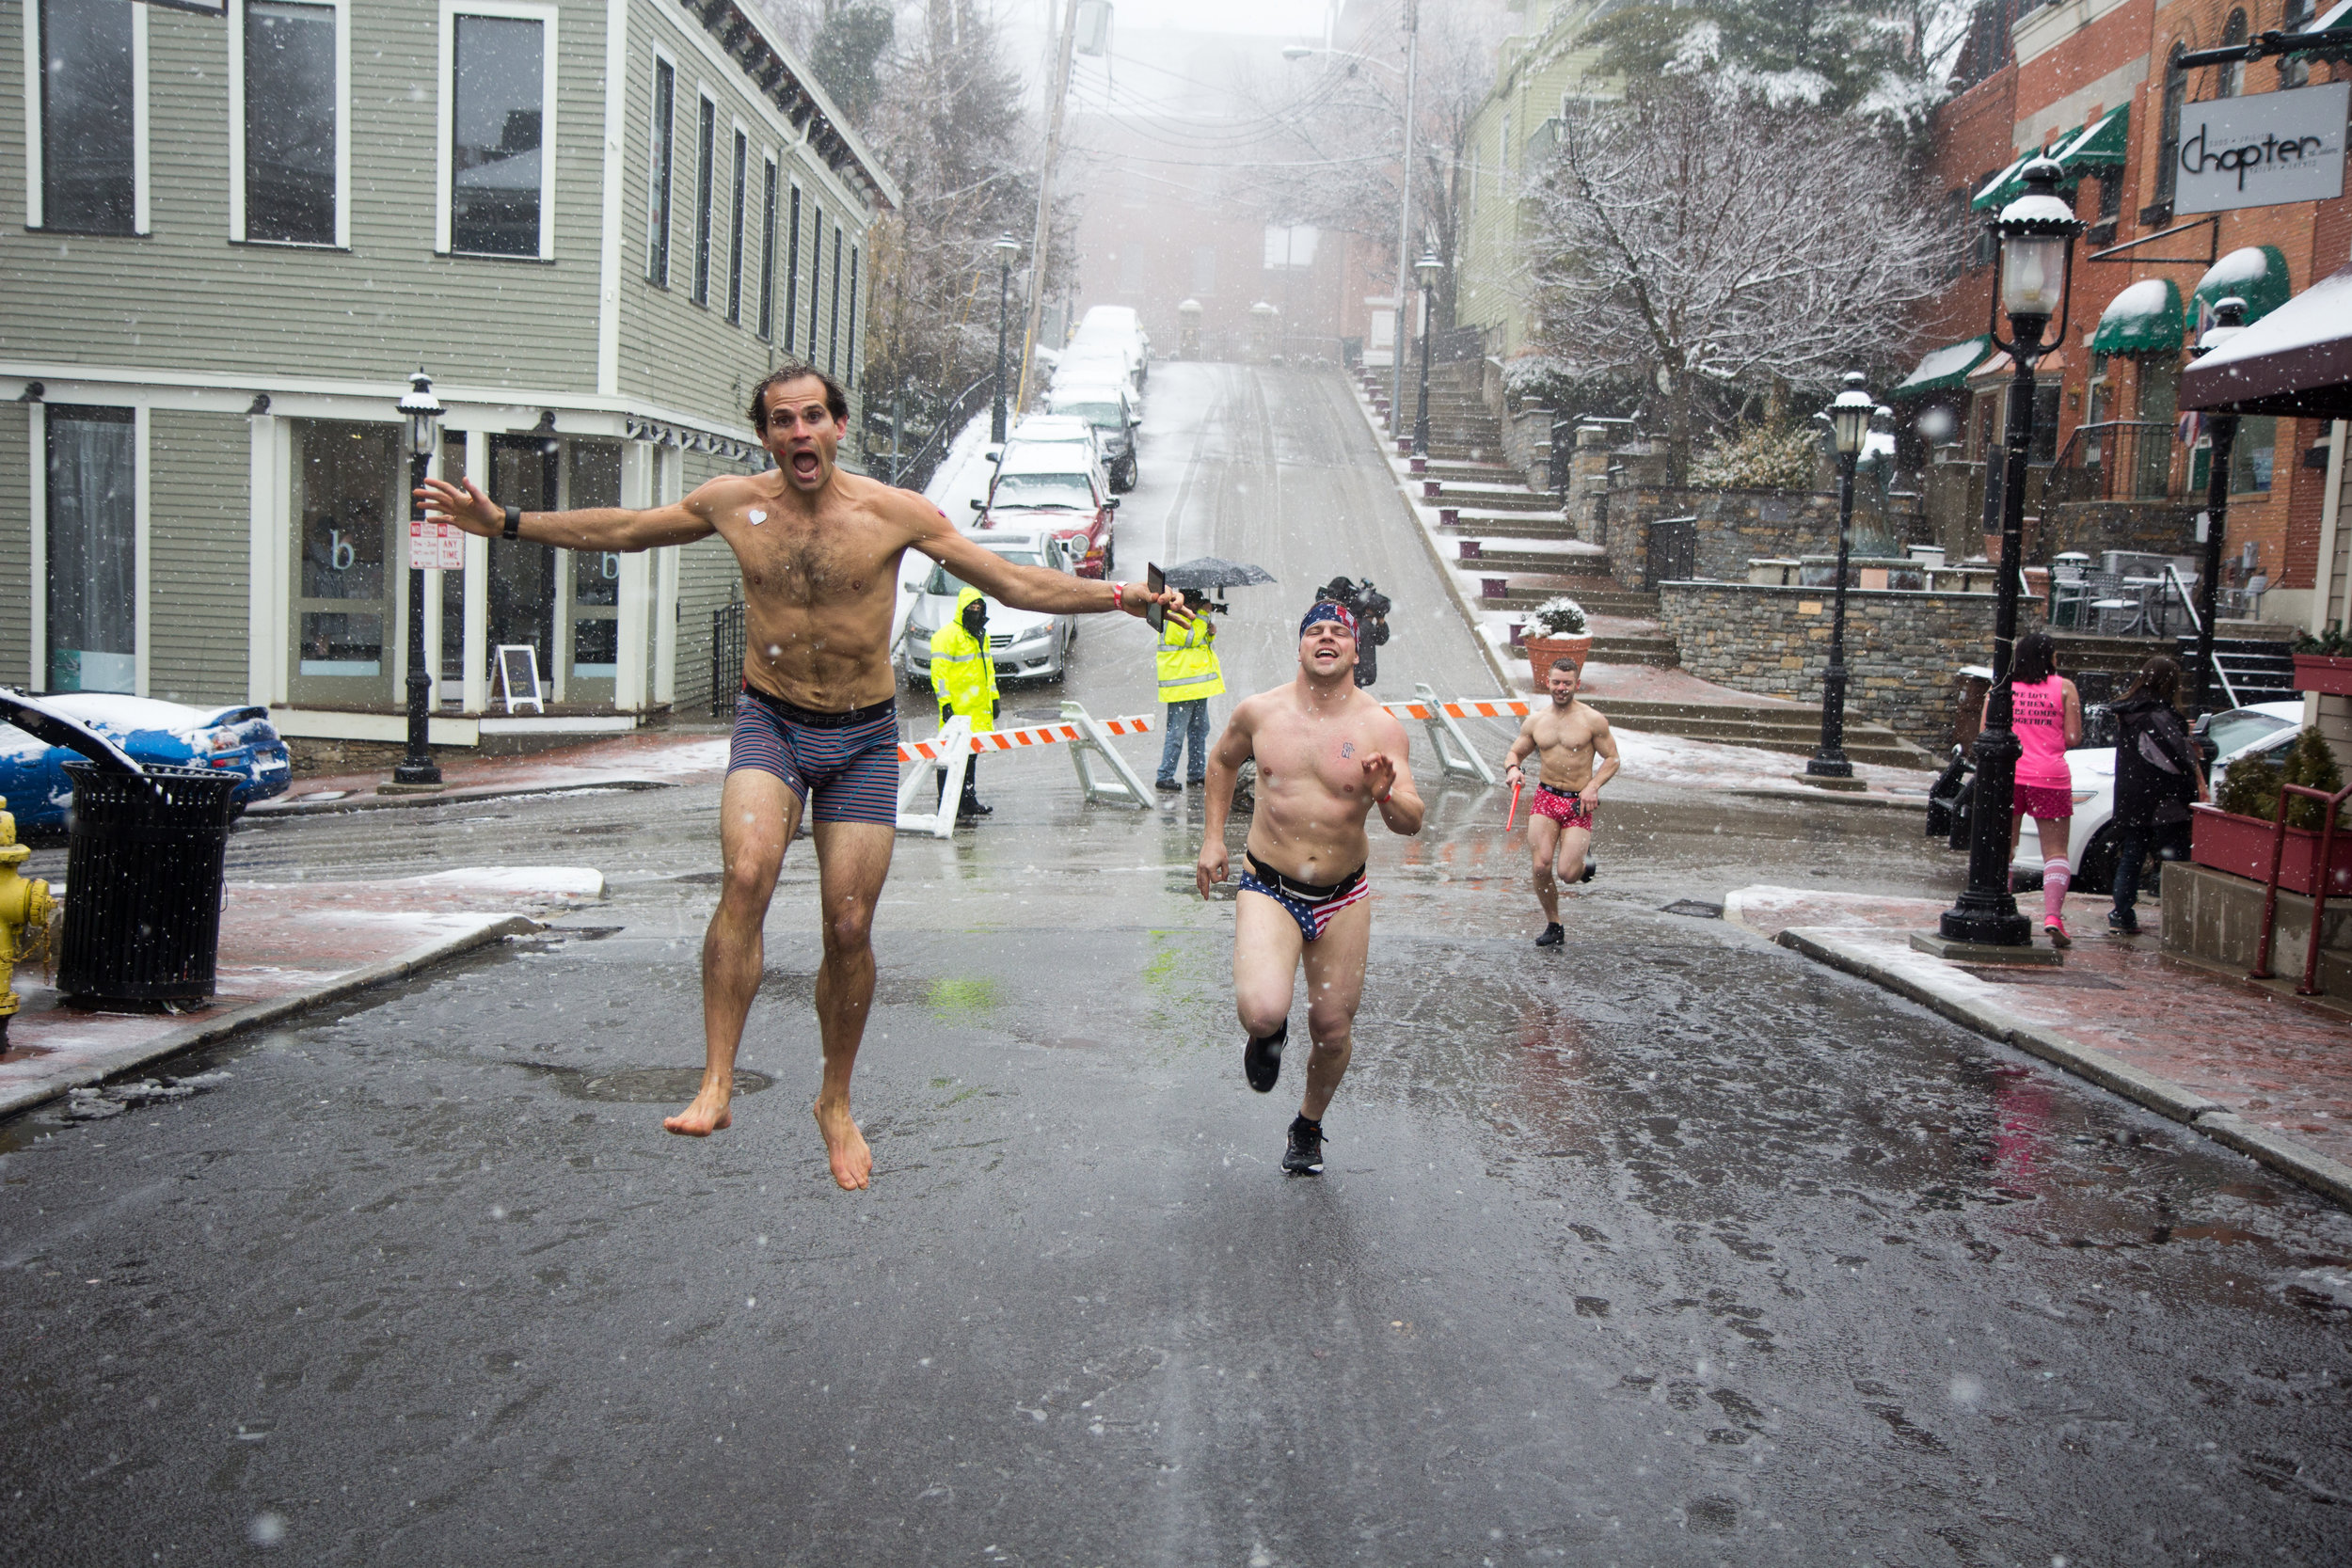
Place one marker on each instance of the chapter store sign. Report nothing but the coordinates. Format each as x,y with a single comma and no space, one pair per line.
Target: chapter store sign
2262,150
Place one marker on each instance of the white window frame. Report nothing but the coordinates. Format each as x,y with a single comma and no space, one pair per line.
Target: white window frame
139,120
342,127
739,277
702,261
445,110
655,219
142,634
773,186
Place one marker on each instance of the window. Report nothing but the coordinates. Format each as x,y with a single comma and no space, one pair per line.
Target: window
2043,447
289,92
2232,79
498,129
833,329
792,275
594,481
705,149
735,234
767,250
87,174
2110,196
816,274
662,157
349,482
2251,456
848,351
92,528
2168,137
2295,72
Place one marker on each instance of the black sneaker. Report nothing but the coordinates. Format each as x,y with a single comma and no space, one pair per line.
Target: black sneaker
1304,1155
2123,923
1165,786
1262,1059
1553,936
1591,865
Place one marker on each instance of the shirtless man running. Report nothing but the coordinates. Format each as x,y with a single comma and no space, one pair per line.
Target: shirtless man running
1570,735
1327,754
816,727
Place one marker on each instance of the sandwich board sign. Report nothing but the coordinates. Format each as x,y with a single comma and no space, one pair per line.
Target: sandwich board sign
2260,152
519,675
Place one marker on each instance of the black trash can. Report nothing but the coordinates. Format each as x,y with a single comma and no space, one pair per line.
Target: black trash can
143,880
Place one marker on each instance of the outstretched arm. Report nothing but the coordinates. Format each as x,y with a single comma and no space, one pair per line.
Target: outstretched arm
597,528
1232,750
1038,588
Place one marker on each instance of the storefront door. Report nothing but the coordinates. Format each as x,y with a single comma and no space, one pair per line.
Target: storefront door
526,472
346,484
91,549
594,468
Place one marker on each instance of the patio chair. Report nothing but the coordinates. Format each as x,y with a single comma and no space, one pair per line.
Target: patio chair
2114,609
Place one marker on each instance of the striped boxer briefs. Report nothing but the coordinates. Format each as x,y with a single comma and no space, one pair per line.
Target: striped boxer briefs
844,766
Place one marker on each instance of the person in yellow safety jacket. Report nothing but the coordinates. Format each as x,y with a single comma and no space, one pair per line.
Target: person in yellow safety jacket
964,677
1189,677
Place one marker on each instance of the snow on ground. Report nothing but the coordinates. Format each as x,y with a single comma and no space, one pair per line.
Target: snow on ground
1710,764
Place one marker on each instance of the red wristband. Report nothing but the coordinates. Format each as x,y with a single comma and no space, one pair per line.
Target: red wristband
1118,596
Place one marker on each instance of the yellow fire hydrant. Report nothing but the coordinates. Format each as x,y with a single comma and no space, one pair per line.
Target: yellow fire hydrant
26,910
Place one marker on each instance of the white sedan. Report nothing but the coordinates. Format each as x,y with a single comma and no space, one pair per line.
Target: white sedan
1022,643
2091,844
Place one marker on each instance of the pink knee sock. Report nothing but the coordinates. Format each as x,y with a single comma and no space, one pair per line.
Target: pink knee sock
2055,877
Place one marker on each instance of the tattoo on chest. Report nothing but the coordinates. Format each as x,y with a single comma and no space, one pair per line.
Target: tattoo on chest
1347,747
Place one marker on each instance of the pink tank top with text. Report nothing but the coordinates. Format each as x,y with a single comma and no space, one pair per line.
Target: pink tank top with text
2038,713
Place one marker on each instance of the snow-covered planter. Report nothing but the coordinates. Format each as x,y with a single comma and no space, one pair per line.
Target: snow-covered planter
1557,629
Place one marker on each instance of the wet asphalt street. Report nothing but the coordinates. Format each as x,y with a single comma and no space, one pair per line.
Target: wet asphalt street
1667,1247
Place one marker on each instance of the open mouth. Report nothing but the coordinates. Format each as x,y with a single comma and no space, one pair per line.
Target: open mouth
804,465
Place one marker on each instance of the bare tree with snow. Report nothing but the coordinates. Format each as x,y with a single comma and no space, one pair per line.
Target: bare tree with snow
1703,244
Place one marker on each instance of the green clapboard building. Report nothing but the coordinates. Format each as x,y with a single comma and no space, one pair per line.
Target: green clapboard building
595,223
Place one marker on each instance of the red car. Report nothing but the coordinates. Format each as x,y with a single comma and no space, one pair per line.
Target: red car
1040,487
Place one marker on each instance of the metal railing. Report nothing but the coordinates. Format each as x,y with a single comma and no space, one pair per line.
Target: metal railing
914,470
726,658
2323,873
2114,460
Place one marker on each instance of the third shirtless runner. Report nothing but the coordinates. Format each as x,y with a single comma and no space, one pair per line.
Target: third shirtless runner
1327,754
816,727
1579,756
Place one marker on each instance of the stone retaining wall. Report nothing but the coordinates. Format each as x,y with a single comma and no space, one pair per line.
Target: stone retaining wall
1736,527
1902,648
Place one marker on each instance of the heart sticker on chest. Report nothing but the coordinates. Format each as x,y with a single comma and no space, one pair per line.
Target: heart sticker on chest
758,517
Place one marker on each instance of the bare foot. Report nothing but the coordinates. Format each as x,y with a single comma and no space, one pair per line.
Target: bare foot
845,1146
708,1115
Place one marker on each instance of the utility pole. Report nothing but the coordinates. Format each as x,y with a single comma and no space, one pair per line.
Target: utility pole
1037,246
1404,214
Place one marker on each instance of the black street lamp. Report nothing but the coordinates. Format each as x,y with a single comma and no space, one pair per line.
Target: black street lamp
1426,271
1006,247
2229,321
422,412
1850,425
2037,239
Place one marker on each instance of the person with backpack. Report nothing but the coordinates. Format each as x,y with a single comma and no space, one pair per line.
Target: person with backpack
2156,776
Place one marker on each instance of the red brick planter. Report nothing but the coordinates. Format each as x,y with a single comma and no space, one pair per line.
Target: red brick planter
2241,845
2330,675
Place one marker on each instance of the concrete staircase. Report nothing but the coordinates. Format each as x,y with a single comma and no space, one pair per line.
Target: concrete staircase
1794,730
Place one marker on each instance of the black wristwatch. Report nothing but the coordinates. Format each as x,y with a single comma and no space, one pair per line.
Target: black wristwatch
513,528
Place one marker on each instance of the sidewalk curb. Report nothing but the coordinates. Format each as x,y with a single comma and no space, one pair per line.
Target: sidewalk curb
2112,1072
23,1097
1445,570
1830,797
297,806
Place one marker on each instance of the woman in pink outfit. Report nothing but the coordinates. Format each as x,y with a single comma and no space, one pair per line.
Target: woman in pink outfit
2046,713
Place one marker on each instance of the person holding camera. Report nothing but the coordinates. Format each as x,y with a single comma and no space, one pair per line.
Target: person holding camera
1189,677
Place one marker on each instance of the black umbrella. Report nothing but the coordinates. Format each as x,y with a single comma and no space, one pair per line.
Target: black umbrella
1208,571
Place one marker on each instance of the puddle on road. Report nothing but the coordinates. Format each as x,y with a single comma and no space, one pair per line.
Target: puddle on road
638,1086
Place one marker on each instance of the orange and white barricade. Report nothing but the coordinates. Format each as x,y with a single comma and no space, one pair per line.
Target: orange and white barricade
1103,773
1456,754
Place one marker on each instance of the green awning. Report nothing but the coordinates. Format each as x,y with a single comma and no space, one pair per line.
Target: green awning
2101,144
2257,275
2337,19
1945,369
2006,187
2143,319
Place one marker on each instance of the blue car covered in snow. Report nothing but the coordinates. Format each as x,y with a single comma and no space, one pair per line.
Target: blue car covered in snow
237,738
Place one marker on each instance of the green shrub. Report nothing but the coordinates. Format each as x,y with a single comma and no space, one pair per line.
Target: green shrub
1761,457
2252,786
1559,616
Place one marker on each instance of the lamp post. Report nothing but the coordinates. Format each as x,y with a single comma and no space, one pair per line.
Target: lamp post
421,411
2229,321
1426,270
1006,247
1849,426
2037,240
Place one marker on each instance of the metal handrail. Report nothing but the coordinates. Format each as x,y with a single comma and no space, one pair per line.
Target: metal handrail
2321,874
950,422
2197,624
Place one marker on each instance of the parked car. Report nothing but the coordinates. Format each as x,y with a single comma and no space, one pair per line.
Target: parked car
2240,732
1036,429
236,738
1116,324
1090,364
1048,486
1112,415
1023,643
